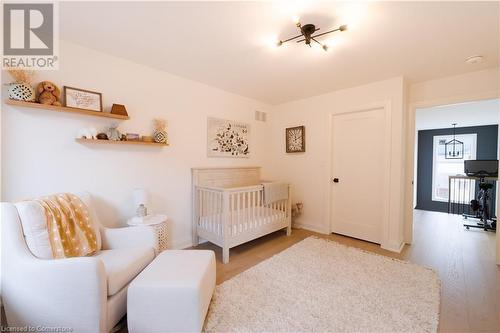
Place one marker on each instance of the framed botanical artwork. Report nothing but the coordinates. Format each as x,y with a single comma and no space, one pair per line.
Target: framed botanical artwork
227,138
295,139
83,99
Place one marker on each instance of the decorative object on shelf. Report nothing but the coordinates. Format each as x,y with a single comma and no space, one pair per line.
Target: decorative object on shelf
87,133
147,138
140,201
113,133
132,137
48,93
21,89
295,139
454,149
160,133
123,137
102,136
227,138
307,32
297,209
119,109
83,99
158,222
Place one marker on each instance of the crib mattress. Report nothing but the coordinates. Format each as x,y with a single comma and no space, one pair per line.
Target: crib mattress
243,219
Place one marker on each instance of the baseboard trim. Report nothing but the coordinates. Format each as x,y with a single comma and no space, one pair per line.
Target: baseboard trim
393,247
182,245
310,228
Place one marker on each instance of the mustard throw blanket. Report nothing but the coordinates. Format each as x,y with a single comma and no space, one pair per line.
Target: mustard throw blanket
69,226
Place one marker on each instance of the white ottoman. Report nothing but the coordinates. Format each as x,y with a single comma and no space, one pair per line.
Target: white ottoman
173,293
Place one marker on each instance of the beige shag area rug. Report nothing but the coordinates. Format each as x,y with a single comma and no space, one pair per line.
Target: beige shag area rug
322,286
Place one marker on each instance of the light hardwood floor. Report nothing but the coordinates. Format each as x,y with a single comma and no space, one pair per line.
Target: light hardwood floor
464,260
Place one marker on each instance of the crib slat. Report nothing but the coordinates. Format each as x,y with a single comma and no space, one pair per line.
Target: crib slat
242,217
238,198
271,212
250,210
243,212
210,202
203,209
219,213
259,213
209,213
223,213
215,203
253,209
247,211
231,217
214,218
214,212
199,215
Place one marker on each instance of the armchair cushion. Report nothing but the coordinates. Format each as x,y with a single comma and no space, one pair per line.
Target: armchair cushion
122,265
118,238
34,228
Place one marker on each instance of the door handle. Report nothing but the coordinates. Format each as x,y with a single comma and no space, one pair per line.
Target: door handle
335,180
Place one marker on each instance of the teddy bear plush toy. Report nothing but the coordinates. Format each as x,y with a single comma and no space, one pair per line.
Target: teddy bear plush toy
48,93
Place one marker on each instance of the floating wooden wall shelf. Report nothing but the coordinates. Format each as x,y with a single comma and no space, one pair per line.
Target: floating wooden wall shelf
65,109
111,142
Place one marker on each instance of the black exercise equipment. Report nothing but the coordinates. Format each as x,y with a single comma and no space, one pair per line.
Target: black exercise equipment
482,169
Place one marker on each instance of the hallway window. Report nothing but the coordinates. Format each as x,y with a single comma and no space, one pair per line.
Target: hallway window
442,168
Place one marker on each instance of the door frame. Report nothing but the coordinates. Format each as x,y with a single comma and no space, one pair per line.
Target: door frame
410,151
386,106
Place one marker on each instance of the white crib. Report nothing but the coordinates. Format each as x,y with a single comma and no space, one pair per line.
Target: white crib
229,210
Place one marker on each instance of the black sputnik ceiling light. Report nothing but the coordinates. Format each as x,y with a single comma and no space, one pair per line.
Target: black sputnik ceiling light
454,149
308,34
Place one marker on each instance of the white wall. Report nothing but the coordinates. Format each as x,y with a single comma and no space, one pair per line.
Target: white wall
309,172
41,157
476,113
455,89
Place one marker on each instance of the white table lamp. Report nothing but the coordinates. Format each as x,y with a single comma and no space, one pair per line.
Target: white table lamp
141,201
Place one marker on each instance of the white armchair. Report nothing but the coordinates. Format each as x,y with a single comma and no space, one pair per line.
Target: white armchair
85,294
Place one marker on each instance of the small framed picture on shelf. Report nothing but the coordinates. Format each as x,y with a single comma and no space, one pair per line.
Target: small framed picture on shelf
132,137
83,99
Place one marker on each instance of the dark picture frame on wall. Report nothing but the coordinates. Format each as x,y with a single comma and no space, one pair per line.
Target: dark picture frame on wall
295,139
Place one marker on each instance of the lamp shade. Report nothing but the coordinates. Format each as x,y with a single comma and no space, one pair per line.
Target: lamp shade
140,197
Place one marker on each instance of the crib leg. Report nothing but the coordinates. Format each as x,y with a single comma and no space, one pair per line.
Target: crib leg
196,240
225,255
289,230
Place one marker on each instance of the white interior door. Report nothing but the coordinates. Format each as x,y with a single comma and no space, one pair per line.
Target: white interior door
360,171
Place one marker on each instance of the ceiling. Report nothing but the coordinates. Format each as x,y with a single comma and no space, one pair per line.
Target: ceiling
230,45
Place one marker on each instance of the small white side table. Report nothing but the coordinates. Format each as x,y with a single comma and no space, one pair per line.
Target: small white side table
158,222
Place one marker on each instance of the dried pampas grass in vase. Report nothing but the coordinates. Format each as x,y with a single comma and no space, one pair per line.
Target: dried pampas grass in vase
22,76
160,133
21,89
